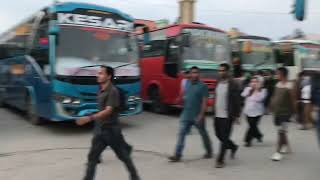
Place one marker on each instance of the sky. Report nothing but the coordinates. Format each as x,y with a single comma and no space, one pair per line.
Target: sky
270,18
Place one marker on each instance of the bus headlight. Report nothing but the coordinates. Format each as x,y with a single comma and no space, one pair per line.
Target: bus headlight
66,99
133,98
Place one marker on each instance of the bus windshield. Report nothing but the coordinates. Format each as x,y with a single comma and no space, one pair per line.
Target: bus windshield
206,46
262,54
311,59
86,46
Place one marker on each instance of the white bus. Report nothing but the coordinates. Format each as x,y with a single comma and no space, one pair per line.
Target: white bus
298,56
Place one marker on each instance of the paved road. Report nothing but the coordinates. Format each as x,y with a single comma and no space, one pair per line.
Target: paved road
57,151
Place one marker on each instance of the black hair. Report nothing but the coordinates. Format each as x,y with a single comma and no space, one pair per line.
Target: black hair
109,71
226,66
194,68
283,71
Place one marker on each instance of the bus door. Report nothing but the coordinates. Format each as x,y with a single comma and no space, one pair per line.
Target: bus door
171,71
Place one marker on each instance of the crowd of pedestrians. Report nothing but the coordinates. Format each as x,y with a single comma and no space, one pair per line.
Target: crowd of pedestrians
262,94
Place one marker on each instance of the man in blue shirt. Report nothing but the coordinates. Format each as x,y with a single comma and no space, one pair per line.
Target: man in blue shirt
193,114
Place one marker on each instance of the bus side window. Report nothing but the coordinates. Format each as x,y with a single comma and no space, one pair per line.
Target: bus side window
285,58
154,49
40,50
173,51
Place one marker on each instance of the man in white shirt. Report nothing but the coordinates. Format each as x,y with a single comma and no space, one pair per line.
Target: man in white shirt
227,110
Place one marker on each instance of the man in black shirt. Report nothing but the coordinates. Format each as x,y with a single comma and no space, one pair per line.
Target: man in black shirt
108,131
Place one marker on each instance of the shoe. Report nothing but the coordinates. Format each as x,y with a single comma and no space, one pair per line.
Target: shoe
233,152
276,157
207,156
260,140
100,161
303,128
284,150
135,178
174,159
220,165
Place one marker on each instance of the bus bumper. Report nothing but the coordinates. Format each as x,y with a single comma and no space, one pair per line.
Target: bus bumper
74,112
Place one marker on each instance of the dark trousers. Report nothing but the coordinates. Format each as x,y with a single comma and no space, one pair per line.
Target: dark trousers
223,129
253,130
110,137
318,126
185,127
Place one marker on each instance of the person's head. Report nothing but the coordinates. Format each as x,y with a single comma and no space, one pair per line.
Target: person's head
187,74
224,70
194,73
105,74
282,73
255,83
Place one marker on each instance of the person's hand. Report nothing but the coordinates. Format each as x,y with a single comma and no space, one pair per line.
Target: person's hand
200,119
83,120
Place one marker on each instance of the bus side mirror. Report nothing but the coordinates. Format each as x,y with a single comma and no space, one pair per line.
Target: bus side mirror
54,30
186,41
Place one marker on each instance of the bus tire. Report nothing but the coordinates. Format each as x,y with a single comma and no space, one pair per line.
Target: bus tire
2,104
31,112
156,105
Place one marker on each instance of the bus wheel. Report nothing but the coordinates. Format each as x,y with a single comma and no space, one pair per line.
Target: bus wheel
2,104
31,112
156,105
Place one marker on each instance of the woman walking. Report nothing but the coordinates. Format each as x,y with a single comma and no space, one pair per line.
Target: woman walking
254,109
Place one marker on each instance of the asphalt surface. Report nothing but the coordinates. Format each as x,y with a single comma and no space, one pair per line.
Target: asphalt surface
58,151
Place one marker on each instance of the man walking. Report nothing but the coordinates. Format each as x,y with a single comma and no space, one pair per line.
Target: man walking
315,99
193,114
282,106
227,110
108,132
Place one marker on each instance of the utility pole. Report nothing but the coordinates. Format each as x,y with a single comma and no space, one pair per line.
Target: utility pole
186,11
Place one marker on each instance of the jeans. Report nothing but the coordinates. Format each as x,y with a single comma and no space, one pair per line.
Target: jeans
223,129
318,126
109,137
185,127
253,130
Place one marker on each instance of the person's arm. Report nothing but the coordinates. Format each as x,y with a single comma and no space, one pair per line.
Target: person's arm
204,106
112,102
103,114
236,99
260,96
294,103
246,92
181,92
97,116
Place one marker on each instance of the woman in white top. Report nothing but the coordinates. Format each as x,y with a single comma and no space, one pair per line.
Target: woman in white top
254,109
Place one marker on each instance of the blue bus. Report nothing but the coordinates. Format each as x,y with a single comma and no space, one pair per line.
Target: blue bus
49,62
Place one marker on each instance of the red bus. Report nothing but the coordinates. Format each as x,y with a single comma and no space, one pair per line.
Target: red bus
169,51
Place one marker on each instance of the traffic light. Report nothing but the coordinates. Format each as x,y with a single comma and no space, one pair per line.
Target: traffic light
299,9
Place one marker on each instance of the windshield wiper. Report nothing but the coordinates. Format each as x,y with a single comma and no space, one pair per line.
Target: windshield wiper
262,63
69,77
123,65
